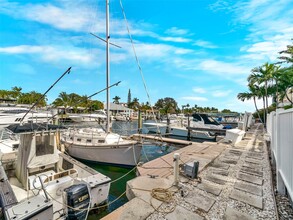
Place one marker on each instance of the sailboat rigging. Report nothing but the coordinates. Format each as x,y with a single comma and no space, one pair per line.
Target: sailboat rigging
97,145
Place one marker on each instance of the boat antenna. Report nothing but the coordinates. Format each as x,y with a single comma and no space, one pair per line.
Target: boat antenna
67,71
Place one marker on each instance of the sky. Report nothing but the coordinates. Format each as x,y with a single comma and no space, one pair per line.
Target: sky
198,52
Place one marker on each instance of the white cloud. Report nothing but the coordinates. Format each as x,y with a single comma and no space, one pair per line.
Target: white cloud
199,90
64,17
194,98
266,50
50,53
221,93
219,67
78,15
269,24
176,31
204,44
22,49
182,51
175,39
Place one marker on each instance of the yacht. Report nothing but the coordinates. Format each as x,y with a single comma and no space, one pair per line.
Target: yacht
8,110
16,116
179,126
41,182
93,117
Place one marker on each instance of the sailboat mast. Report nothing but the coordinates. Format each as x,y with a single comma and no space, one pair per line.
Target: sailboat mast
107,66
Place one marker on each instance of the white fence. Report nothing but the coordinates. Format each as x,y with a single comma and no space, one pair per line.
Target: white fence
280,130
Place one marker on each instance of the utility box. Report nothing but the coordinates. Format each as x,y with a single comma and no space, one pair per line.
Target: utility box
191,169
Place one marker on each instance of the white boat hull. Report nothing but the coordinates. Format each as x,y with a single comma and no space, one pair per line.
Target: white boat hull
156,128
183,132
177,131
125,155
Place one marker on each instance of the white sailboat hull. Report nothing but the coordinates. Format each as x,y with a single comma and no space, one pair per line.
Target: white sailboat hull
117,154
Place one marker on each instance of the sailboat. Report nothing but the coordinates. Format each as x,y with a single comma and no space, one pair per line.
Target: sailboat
96,144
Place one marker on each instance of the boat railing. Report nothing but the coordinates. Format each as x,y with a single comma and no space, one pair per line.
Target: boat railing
72,173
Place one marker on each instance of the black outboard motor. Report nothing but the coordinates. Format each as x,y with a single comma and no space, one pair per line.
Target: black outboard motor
76,196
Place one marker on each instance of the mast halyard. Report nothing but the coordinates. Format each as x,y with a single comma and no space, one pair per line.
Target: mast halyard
107,66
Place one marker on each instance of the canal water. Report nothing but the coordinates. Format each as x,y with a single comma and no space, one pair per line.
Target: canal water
149,152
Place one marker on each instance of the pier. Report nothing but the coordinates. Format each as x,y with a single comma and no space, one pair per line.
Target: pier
235,183
159,138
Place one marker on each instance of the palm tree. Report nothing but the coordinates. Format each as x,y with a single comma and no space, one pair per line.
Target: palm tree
16,92
288,58
62,100
116,99
285,83
135,103
252,94
264,75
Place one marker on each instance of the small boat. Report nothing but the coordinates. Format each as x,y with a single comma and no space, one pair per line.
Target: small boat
41,182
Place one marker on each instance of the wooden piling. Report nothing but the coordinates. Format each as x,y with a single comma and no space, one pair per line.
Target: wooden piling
139,122
188,128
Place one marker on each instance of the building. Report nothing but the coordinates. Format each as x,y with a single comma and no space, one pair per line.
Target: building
119,109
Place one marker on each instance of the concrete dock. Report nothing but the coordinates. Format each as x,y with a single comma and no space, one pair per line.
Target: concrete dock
235,183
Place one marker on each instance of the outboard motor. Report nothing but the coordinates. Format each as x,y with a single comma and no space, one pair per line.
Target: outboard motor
77,197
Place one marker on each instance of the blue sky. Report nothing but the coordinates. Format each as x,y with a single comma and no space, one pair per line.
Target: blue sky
195,51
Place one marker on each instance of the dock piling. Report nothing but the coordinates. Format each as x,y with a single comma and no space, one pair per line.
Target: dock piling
176,168
188,127
139,122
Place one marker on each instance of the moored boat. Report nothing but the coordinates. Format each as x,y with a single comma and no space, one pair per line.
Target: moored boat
96,145
41,182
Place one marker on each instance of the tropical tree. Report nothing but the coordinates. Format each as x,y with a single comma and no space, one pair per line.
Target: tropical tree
146,106
16,92
31,98
285,83
96,105
116,99
129,97
286,76
4,94
166,105
134,104
253,93
62,100
263,76
287,55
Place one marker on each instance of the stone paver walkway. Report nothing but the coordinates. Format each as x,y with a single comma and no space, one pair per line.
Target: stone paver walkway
235,185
